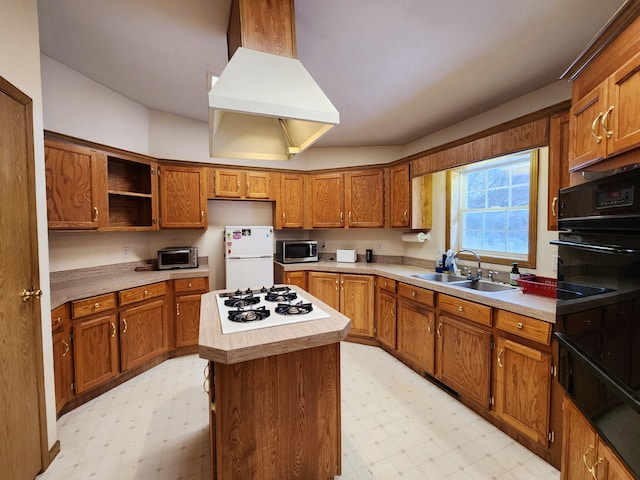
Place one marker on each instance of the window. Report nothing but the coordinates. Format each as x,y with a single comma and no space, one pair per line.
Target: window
492,208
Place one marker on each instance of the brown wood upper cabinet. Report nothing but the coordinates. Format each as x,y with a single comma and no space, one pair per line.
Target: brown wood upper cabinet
400,196
183,197
558,164
605,120
240,184
349,200
76,192
364,198
290,201
327,200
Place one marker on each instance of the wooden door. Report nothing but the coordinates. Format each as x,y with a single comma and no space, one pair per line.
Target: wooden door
95,351
523,389
327,200
257,185
76,188
229,183
325,286
416,340
579,444
463,353
622,122
356,302
386,318
296,278
183,197
588,141
23,431
364,198
143,333
400,195
290,202
187,320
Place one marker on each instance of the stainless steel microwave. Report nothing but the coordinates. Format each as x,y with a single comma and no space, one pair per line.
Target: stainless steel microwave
177,257
294,251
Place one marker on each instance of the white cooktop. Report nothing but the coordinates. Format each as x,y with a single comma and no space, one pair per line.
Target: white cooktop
273,320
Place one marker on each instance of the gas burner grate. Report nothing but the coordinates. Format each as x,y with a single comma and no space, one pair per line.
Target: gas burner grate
281,296
259,313
241,301
299,308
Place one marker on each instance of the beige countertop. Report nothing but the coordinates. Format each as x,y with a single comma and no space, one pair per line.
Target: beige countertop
514,301
73,285
263,342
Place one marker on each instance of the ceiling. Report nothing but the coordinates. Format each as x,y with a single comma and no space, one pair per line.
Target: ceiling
396,71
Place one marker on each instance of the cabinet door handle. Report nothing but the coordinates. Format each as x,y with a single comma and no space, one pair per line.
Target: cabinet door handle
202,215
553,206
593,128
405,214
177,309
336,284
341,217
591,469
124,320
66,348
95,214
113,329
284,217
499,358
349,216
603,122
429,325
438,330
393,311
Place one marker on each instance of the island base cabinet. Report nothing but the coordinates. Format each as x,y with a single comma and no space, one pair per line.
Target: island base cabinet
277,417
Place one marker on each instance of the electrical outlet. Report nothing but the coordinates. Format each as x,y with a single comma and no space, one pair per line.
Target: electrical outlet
379,247
125,252
554,263
323,244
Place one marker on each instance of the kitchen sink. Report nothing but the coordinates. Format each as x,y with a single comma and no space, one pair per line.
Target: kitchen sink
439,277
571,291
487,287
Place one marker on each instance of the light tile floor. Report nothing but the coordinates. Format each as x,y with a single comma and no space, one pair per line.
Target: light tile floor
395,425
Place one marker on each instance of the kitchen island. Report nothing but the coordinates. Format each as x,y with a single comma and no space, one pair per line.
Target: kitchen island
274,396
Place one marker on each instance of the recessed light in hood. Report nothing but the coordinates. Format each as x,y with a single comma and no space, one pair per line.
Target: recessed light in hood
266,107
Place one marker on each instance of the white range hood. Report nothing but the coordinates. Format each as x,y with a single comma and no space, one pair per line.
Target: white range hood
266,107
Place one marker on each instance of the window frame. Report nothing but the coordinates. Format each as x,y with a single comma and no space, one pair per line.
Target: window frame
534,179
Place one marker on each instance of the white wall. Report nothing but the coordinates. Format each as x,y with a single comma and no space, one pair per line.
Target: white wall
20,65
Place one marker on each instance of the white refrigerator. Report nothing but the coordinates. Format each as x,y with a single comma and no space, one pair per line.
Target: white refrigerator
248,253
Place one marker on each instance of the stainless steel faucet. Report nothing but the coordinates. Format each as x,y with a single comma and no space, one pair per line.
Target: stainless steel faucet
469,276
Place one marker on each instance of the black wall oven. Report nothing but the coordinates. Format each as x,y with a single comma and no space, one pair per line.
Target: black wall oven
598,306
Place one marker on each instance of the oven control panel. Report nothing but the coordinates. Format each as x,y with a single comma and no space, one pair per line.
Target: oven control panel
621,197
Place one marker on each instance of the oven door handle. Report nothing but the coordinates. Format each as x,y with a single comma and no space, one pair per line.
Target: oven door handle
612,249
624,392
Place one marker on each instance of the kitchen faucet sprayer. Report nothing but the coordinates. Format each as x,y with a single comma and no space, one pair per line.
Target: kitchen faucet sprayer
469,276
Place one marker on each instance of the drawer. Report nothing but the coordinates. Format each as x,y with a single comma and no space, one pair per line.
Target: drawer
421,295
387,284
144,292
188,285
525,327
89,306
59,315
463,308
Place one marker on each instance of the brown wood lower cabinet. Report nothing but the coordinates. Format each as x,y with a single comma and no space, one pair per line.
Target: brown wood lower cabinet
95,351
386,331
351,295
584,455
187,313
277,417
100,342
143,333
416,326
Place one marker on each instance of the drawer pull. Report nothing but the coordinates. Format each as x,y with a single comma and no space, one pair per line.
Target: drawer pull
520,325
146,293
58,320
96,305
413,293
189,285
460,309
